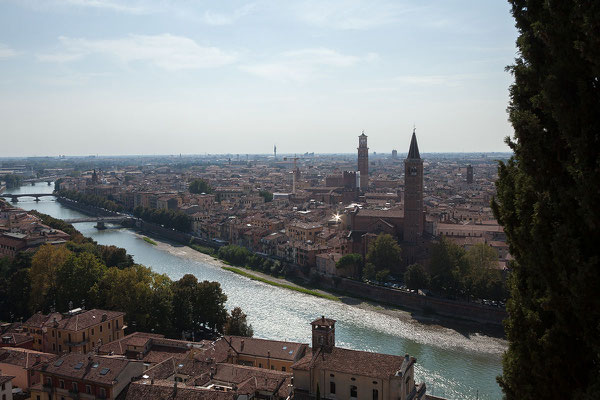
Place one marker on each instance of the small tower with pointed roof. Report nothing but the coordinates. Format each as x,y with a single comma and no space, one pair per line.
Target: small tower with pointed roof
323,334
413,193
363,162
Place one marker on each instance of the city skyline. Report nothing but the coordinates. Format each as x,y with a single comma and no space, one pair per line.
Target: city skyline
118,78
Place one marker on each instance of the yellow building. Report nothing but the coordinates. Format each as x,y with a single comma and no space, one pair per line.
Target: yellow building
268,354
303,231
343,374
78,331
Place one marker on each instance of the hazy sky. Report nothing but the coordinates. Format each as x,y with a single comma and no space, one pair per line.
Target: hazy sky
84,77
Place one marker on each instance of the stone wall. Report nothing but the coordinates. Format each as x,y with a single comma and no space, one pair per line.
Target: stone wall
445,307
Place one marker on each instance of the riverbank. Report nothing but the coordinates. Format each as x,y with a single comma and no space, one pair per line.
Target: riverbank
463,326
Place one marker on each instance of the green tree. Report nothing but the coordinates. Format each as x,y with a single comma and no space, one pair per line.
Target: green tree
350,265
447,267
237,324
416,277
198,186
547,201
75,278
268,196
385,253
45,264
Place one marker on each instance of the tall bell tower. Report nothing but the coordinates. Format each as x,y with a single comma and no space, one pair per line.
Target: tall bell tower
413,193
363,162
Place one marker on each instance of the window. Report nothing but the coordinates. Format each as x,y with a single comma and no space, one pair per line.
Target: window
53,347
272,367
59,334
353,391
88,389
259,365
332,387
102,392
117,324
52,333
75,388
109,325
60,348
100,327
83,335
61,383
92,331
375,394
49,381
69,337
283,369
39,341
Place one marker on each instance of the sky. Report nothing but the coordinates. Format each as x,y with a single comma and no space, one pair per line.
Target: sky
108,77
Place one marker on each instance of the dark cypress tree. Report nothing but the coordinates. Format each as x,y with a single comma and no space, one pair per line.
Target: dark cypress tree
549,203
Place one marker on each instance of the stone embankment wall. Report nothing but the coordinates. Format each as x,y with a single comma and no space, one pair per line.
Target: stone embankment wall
173,235
445,307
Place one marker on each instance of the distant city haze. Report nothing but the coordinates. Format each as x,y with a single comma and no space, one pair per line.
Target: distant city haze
105,77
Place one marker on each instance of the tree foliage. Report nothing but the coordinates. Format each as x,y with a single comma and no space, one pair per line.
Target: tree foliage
168,218
466,274
385,253
12,180
416,277
105,277
198,186
237,324
268,196
91,200
547,201
349,265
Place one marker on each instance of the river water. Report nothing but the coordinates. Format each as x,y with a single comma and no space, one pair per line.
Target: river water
453,364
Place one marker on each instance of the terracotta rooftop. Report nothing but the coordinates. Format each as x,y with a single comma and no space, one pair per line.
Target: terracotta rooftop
265,348
97,369
354,362
323,321
165,390
23,357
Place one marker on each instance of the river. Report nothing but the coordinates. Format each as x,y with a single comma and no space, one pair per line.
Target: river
453,364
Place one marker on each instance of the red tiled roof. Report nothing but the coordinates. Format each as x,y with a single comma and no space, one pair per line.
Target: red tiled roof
265,348
98,369
353,362
24,358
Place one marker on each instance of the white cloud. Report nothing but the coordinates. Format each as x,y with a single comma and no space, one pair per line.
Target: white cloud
7,52
350,14
165,51
219,18
304,64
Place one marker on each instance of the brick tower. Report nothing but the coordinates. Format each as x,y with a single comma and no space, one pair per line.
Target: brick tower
413,193
363,162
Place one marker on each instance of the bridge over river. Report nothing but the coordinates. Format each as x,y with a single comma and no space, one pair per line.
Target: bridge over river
15,197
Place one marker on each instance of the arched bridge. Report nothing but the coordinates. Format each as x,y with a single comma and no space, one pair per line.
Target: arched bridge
15,197
113,218
100,221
